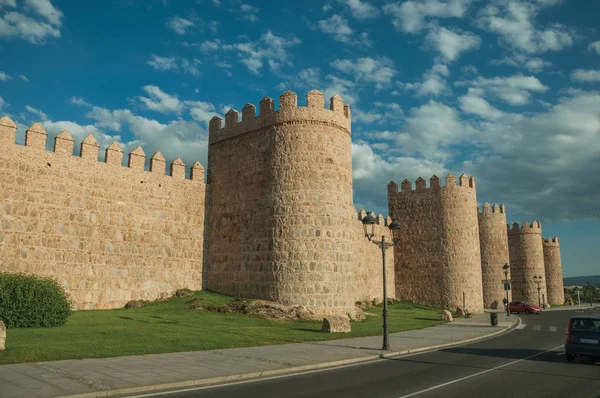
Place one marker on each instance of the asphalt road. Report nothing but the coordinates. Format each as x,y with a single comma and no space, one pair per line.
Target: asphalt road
527,362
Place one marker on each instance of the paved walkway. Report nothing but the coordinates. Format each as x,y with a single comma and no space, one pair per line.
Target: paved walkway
137,374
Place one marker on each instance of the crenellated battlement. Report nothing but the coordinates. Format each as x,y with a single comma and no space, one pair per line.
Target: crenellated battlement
534,228
338,114
495,209
36,138
551,241
381,220
406,186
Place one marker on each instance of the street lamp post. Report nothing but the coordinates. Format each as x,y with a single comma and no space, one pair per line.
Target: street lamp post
590,289
506,267
369,220
538,280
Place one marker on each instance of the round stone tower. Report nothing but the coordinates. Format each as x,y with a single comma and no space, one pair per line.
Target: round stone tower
553,265
526,261
438,259
280,212
494,252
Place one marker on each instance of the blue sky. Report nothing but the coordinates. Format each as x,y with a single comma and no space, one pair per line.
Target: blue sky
506,90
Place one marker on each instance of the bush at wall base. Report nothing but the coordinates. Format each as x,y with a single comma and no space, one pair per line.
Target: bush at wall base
32,301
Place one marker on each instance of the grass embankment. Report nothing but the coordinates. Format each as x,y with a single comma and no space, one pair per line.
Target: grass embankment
169,326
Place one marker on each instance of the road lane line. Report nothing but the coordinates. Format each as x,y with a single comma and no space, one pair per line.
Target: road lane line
521,326
537,328
553,329
479,373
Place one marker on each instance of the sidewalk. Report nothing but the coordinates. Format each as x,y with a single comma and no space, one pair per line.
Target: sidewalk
138,374
583,306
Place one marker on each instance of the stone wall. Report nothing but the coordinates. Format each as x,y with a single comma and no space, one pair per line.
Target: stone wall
526,261
368,269
108,233
494,252
281,218
553,267
438,259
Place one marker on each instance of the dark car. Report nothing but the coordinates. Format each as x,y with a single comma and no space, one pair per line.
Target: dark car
583,337
524,306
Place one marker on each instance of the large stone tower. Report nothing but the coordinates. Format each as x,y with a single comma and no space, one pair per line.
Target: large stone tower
526,261
494,252
438,259
280,211
553,266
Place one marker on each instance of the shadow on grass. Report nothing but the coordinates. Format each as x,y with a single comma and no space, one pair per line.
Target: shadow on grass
427,319
308,330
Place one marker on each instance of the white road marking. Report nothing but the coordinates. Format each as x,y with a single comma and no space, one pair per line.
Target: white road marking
477,374
553,329
537,328
560,353
522,326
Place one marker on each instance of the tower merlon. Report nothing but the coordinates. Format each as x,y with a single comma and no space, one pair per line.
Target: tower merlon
248,112
178,169
35,136
64,143
535,227
197,172
288,100
421,185
158,163
434,182
114,154
231,118
315,99
137,159
551,241
90,148
8,131
392,187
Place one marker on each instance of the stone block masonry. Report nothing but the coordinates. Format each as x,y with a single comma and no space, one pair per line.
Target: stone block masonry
494,252
280,212
108,233
553,266
438,259
526,261
368,264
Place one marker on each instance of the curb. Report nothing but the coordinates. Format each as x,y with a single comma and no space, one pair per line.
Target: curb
276,372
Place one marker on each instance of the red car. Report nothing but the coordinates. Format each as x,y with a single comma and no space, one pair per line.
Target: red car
524,306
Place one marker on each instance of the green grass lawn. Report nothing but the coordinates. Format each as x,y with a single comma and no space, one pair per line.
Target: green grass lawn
169,326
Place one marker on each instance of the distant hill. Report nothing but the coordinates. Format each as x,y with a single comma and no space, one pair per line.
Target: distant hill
581,280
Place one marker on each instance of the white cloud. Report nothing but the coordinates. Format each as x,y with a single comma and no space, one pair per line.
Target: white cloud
586,75
41,115
514,90
433,82
172,64
595,46
162,63
338,27
412,16
326,7
513,20
248,12
270,49
532,64
473,103
379,71
46,10
210,46
451,43
35,21
382,112
160,101
179,25
361,9
79,101
2,103
191,67
4,76
24,78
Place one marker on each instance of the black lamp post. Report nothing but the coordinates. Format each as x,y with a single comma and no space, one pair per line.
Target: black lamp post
369,220
591,290
538,280
506,267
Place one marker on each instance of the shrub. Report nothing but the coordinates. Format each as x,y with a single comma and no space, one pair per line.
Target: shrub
32,301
